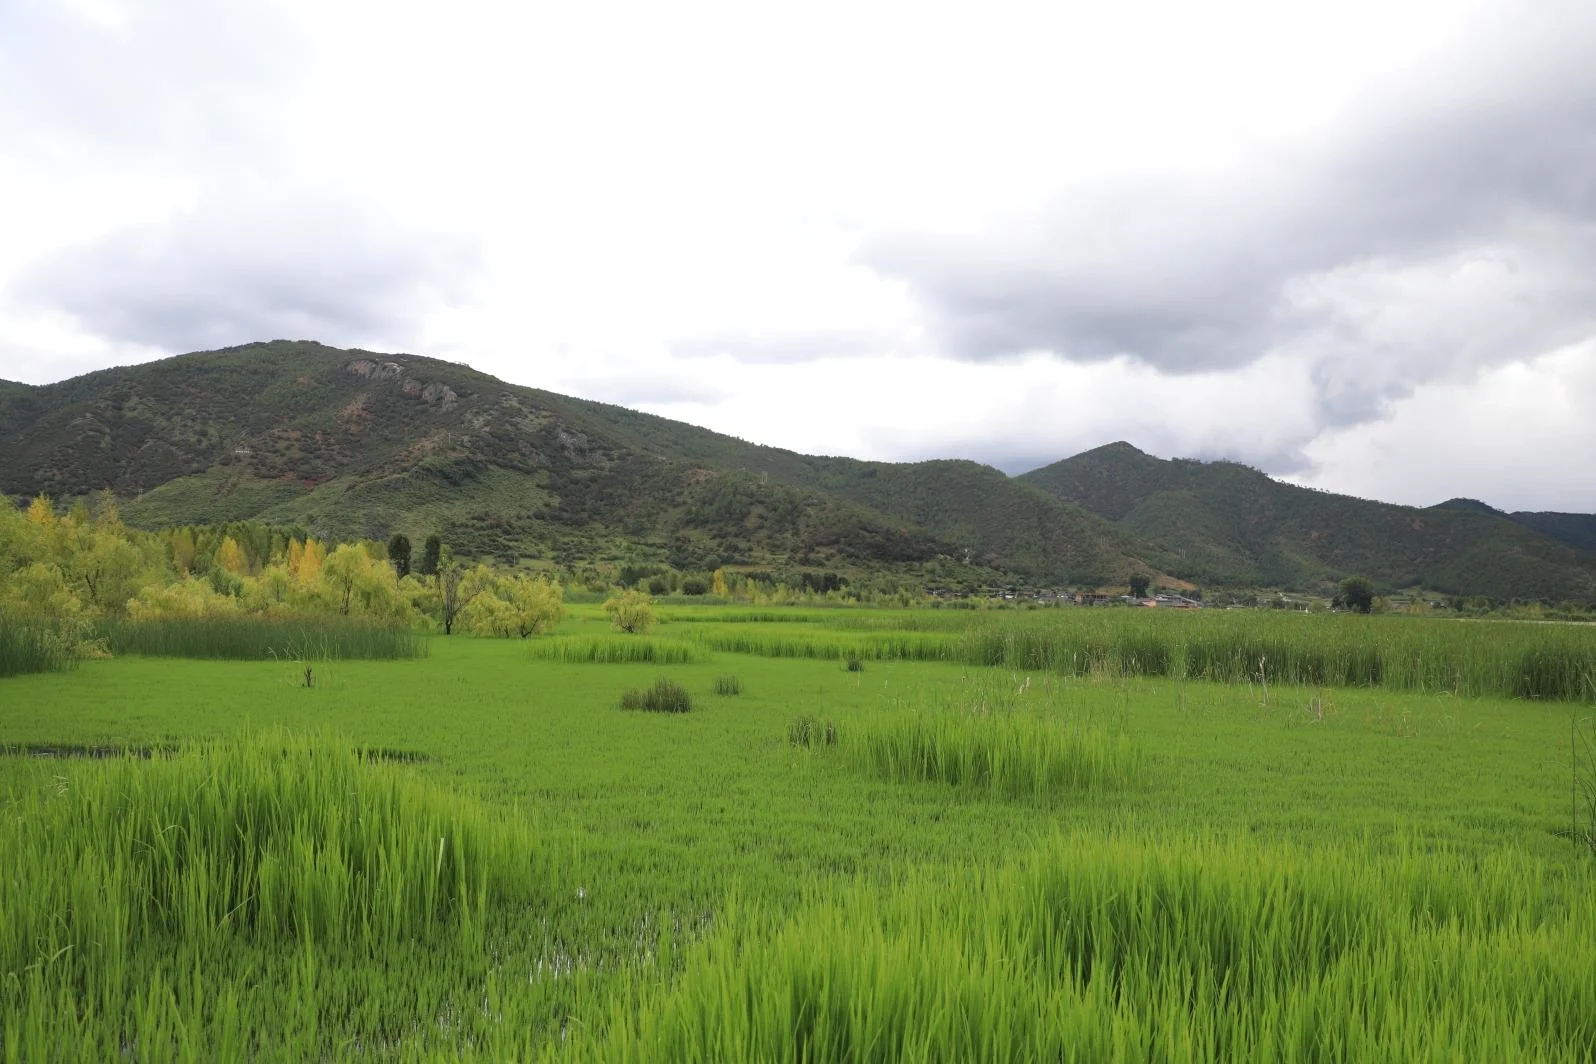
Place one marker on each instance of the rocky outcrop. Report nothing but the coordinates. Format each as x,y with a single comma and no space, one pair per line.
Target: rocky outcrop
433,393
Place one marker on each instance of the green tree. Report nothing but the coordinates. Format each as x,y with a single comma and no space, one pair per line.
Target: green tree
399,554
431,555
1139,584
1357,594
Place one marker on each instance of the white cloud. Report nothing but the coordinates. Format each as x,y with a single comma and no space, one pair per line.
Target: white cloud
678,207
1517,436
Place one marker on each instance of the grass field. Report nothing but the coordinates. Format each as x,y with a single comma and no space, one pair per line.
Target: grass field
988,862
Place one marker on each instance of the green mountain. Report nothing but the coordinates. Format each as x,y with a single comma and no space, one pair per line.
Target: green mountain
353,443
1576,530
1230,524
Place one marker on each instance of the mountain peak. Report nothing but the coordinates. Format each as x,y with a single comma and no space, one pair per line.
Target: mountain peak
1118,447
1470,505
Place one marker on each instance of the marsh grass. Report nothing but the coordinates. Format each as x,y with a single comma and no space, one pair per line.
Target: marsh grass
1515,660
827,645
1464,658
728,685
1097,948
1006,739
133,881
262,639
666,696
34,646
615,650
1582,792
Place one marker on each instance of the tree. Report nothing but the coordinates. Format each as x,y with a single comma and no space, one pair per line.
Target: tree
431,555
354,582
345,570
1138,585
399,554
538,604
230,556
457,586
516,605
1357,593
631,611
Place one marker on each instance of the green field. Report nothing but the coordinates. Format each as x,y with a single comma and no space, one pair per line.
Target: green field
1108,846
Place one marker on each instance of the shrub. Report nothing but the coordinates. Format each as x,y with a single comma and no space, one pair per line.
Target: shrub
855,665
666,696
728,685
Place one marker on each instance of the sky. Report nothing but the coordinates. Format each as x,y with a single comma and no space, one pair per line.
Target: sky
1349,243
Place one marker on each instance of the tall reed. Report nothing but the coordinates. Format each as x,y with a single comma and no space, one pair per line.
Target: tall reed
258,639
614,650
34,646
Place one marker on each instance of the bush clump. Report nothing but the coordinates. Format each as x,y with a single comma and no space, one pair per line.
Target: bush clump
728,685
666,696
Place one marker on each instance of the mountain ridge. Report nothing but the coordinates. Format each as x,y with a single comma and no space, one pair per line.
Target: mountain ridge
350,442
359,443
1233,524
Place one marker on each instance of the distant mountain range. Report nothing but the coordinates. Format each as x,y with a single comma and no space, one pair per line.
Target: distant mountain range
348,443
1233,525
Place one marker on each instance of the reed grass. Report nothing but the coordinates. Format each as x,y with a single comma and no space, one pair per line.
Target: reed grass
829,646
615,650
34,646
1516,660
1470,658
260,639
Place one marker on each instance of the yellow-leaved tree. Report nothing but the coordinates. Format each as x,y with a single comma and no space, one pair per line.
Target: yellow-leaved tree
230,556
631,611
311,558
513,605
188,599
353,582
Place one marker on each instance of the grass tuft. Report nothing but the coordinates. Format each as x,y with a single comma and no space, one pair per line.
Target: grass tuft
811,731
666,696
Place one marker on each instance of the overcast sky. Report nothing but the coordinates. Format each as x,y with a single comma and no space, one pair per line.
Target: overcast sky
1351,243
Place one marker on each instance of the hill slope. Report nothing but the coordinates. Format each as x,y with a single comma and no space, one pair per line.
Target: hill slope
1576,530
1231,524
353,443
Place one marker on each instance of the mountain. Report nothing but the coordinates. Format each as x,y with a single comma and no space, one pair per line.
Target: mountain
1576,530
349,443
1233,525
